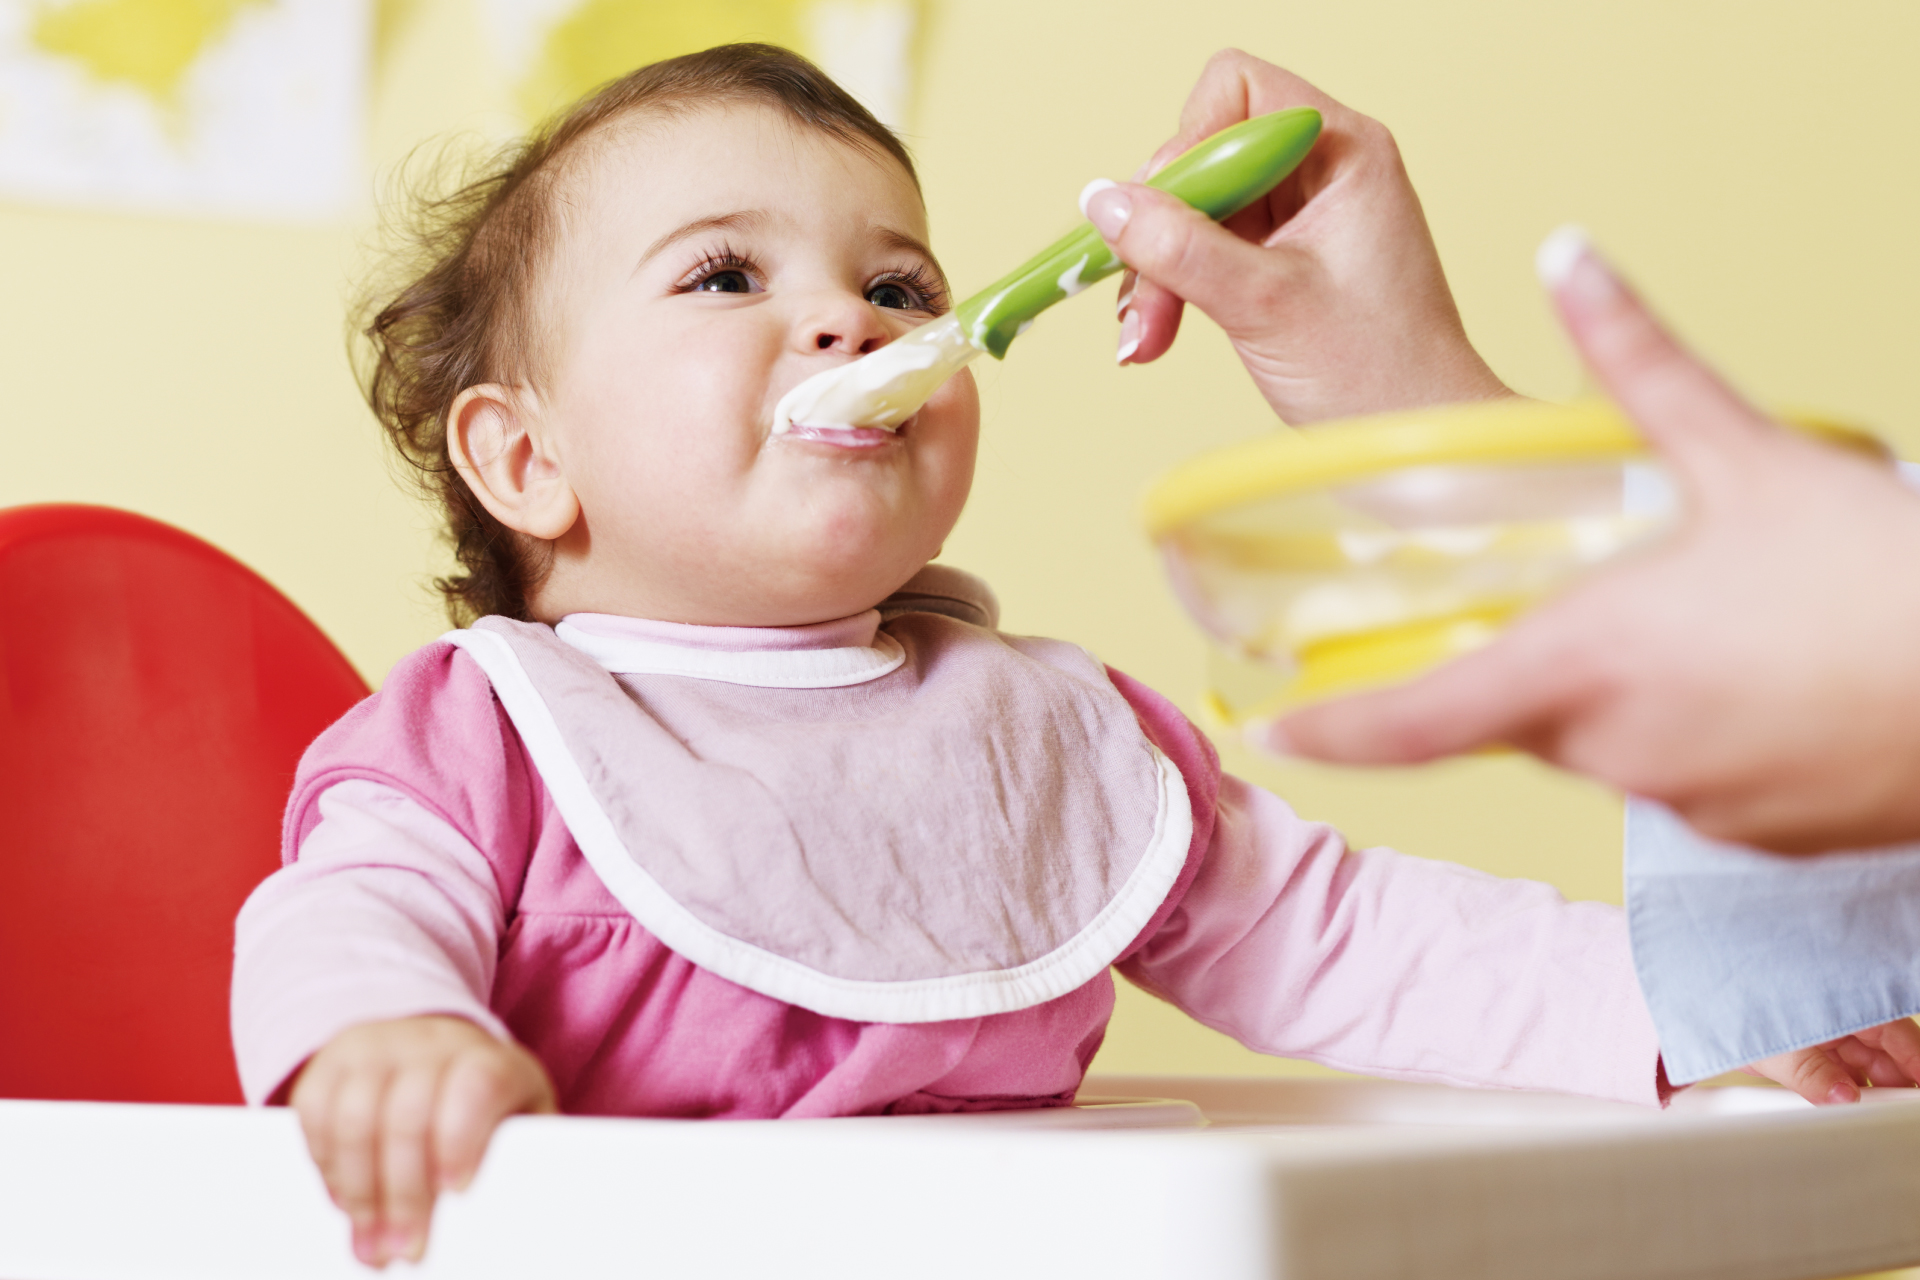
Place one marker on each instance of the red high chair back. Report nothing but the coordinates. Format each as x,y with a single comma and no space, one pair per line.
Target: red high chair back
155,696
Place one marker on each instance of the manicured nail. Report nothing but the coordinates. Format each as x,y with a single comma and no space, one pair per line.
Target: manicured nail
1093,189
1843,1092
1554,260
1267,736
1124,301
1129,337
1108,210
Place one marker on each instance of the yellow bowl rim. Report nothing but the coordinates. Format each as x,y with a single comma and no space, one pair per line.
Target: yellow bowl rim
1515,430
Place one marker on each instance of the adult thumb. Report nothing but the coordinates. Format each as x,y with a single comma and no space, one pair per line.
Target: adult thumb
1683,408
1177,247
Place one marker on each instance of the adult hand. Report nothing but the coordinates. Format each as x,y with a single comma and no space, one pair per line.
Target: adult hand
1329,287
396,1112
1758,672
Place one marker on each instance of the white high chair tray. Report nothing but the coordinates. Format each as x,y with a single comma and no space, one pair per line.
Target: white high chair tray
1170,1177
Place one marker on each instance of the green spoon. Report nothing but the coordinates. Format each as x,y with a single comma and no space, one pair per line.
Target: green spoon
1220,176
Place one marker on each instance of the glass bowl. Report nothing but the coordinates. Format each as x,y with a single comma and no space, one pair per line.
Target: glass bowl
1357,554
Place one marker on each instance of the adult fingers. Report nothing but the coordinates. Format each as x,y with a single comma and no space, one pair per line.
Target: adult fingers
1177,247
1813,1075
406,1161
1150,315
481,1089
1237,86
1149,322
1683,408
1233,87
1495,695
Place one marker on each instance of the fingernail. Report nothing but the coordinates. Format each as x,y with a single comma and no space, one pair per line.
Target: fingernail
1842,1093
1093,189
1267,736
1124,301
1129,337
1108,210
1554,260
365,1251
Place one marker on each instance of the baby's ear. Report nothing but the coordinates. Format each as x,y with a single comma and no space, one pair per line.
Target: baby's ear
494,443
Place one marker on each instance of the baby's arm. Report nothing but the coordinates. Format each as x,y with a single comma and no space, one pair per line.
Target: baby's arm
1377,962
360,981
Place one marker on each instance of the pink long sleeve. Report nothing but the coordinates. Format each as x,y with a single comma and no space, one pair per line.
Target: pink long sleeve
389,913
430,872
1376,962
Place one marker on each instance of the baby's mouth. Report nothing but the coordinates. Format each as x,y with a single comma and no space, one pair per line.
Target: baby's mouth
843,437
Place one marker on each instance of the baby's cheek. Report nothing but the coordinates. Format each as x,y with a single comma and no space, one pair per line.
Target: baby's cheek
961,397
953,421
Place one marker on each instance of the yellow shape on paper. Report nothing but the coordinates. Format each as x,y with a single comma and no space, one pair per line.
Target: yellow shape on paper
149,44
390,20
603,39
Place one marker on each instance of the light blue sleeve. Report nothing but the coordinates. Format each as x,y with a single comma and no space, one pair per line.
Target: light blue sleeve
1742,955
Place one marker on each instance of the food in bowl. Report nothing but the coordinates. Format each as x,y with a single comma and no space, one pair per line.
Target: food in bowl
1356,554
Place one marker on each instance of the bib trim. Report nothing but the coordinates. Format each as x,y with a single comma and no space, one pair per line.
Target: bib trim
760,668
967,995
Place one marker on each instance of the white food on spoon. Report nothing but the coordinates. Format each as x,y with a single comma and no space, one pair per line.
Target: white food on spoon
883,388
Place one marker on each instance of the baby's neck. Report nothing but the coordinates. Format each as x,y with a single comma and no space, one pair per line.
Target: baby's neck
852,632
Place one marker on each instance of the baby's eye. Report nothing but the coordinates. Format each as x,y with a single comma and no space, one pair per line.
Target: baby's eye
722,272
725,282
896,296
916,288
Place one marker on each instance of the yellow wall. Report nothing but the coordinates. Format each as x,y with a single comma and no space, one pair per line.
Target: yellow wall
1752,163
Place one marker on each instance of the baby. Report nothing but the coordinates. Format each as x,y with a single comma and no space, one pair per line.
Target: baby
727,803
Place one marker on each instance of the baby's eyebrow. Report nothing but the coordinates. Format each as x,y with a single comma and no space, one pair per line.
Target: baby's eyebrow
905,243
741,220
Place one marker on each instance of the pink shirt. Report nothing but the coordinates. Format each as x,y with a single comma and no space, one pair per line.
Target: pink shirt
428,872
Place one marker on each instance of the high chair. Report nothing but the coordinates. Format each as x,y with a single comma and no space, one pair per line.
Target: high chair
155,696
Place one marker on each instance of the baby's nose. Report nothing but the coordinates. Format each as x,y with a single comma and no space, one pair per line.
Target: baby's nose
851,325
856,343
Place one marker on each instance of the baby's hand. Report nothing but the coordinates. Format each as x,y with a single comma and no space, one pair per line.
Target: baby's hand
1886,1056
396,1112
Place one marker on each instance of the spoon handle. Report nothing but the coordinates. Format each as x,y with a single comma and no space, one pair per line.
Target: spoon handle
1219,176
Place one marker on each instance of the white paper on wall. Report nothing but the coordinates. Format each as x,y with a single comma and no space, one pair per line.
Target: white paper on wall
233,108
867,46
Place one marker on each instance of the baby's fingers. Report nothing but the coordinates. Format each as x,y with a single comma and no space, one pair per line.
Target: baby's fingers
481,1088
1899,1041
407,1183
1812,1074
352,1170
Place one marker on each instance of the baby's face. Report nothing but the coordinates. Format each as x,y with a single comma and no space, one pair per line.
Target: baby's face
706,265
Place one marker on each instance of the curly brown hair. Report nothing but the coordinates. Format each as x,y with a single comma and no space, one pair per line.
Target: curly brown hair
471,260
